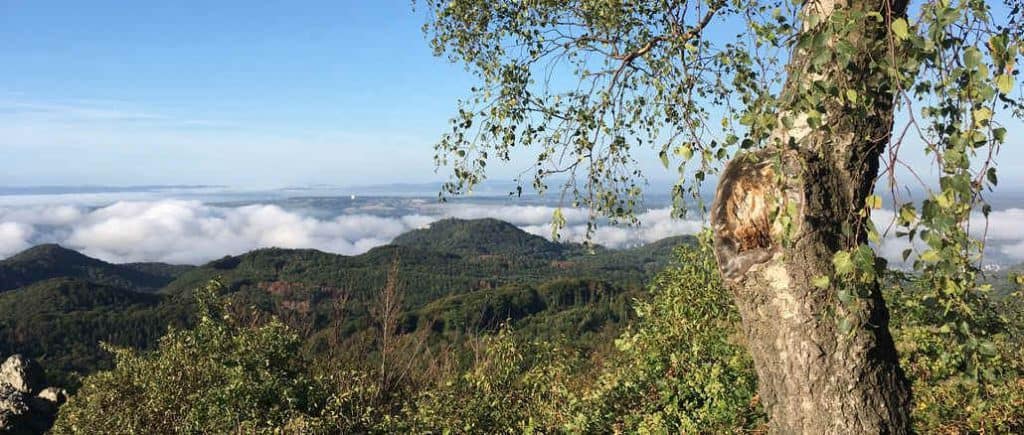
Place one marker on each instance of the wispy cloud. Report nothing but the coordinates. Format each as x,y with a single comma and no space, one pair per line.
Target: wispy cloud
79,111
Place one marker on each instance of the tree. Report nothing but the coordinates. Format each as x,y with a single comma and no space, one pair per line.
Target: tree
807,95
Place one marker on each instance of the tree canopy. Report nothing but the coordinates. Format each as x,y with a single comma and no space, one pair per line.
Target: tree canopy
811,103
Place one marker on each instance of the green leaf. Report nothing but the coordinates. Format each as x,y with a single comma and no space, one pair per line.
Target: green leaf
987,348
982,116
842,263
999,134
664,158
873,235
972,57
1005,83
851,95
557,223
873,202
685,151
821,282
930,256
907,214
900,28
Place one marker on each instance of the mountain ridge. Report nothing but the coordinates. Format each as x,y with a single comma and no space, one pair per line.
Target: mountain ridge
457,274
51,260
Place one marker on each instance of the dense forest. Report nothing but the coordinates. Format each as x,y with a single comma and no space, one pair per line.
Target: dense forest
678,365
438,333
455,277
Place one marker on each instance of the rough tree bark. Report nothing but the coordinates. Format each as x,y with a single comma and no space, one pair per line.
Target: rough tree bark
815,378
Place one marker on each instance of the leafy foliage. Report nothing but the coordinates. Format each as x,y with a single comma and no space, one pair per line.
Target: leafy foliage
220,377
584,85
956,66
683,368
680,367
61,321
515,386
959,389
678,370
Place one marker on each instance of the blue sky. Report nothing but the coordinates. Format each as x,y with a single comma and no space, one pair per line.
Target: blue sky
242,93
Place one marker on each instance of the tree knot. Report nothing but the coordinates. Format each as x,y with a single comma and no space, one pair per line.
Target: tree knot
749,215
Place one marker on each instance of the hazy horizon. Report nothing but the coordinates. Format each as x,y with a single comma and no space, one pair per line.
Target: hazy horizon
184,225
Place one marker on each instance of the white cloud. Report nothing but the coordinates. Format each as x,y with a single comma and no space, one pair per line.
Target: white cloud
191,231
518,215
1003,232
183,231
179,231
14,237
656,224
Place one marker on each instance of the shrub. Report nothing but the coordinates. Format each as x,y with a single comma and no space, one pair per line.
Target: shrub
216,378
958,389
683,367
514,386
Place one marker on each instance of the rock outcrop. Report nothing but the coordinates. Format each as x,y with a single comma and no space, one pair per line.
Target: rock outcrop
27,406
22,374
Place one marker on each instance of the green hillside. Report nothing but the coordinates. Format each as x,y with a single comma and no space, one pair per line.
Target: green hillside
53,261
456,276
482,237
60,321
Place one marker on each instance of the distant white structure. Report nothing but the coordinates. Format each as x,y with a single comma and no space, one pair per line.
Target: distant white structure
353,197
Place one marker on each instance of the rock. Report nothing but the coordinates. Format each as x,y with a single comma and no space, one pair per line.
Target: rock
54,395
20,411
22,374
14,410
12,401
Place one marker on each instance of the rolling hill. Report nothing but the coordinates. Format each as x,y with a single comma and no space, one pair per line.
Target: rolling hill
456,275
54,261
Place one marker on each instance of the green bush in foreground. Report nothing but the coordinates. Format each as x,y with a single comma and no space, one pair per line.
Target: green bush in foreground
958,389
216,378
515,386
680,369
683,367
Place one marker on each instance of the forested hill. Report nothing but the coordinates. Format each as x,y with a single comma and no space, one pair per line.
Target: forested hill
482,236
456,275
53,261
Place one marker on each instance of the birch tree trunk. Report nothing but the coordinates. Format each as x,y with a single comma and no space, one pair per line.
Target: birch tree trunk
814,376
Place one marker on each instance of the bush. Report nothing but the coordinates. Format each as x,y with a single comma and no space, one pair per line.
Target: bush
683,367
958,389
219,377
514,386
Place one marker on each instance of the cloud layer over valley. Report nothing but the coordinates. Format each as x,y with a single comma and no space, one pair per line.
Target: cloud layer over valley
193,231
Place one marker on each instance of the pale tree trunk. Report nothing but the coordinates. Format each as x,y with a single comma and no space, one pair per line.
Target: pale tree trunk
813,376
